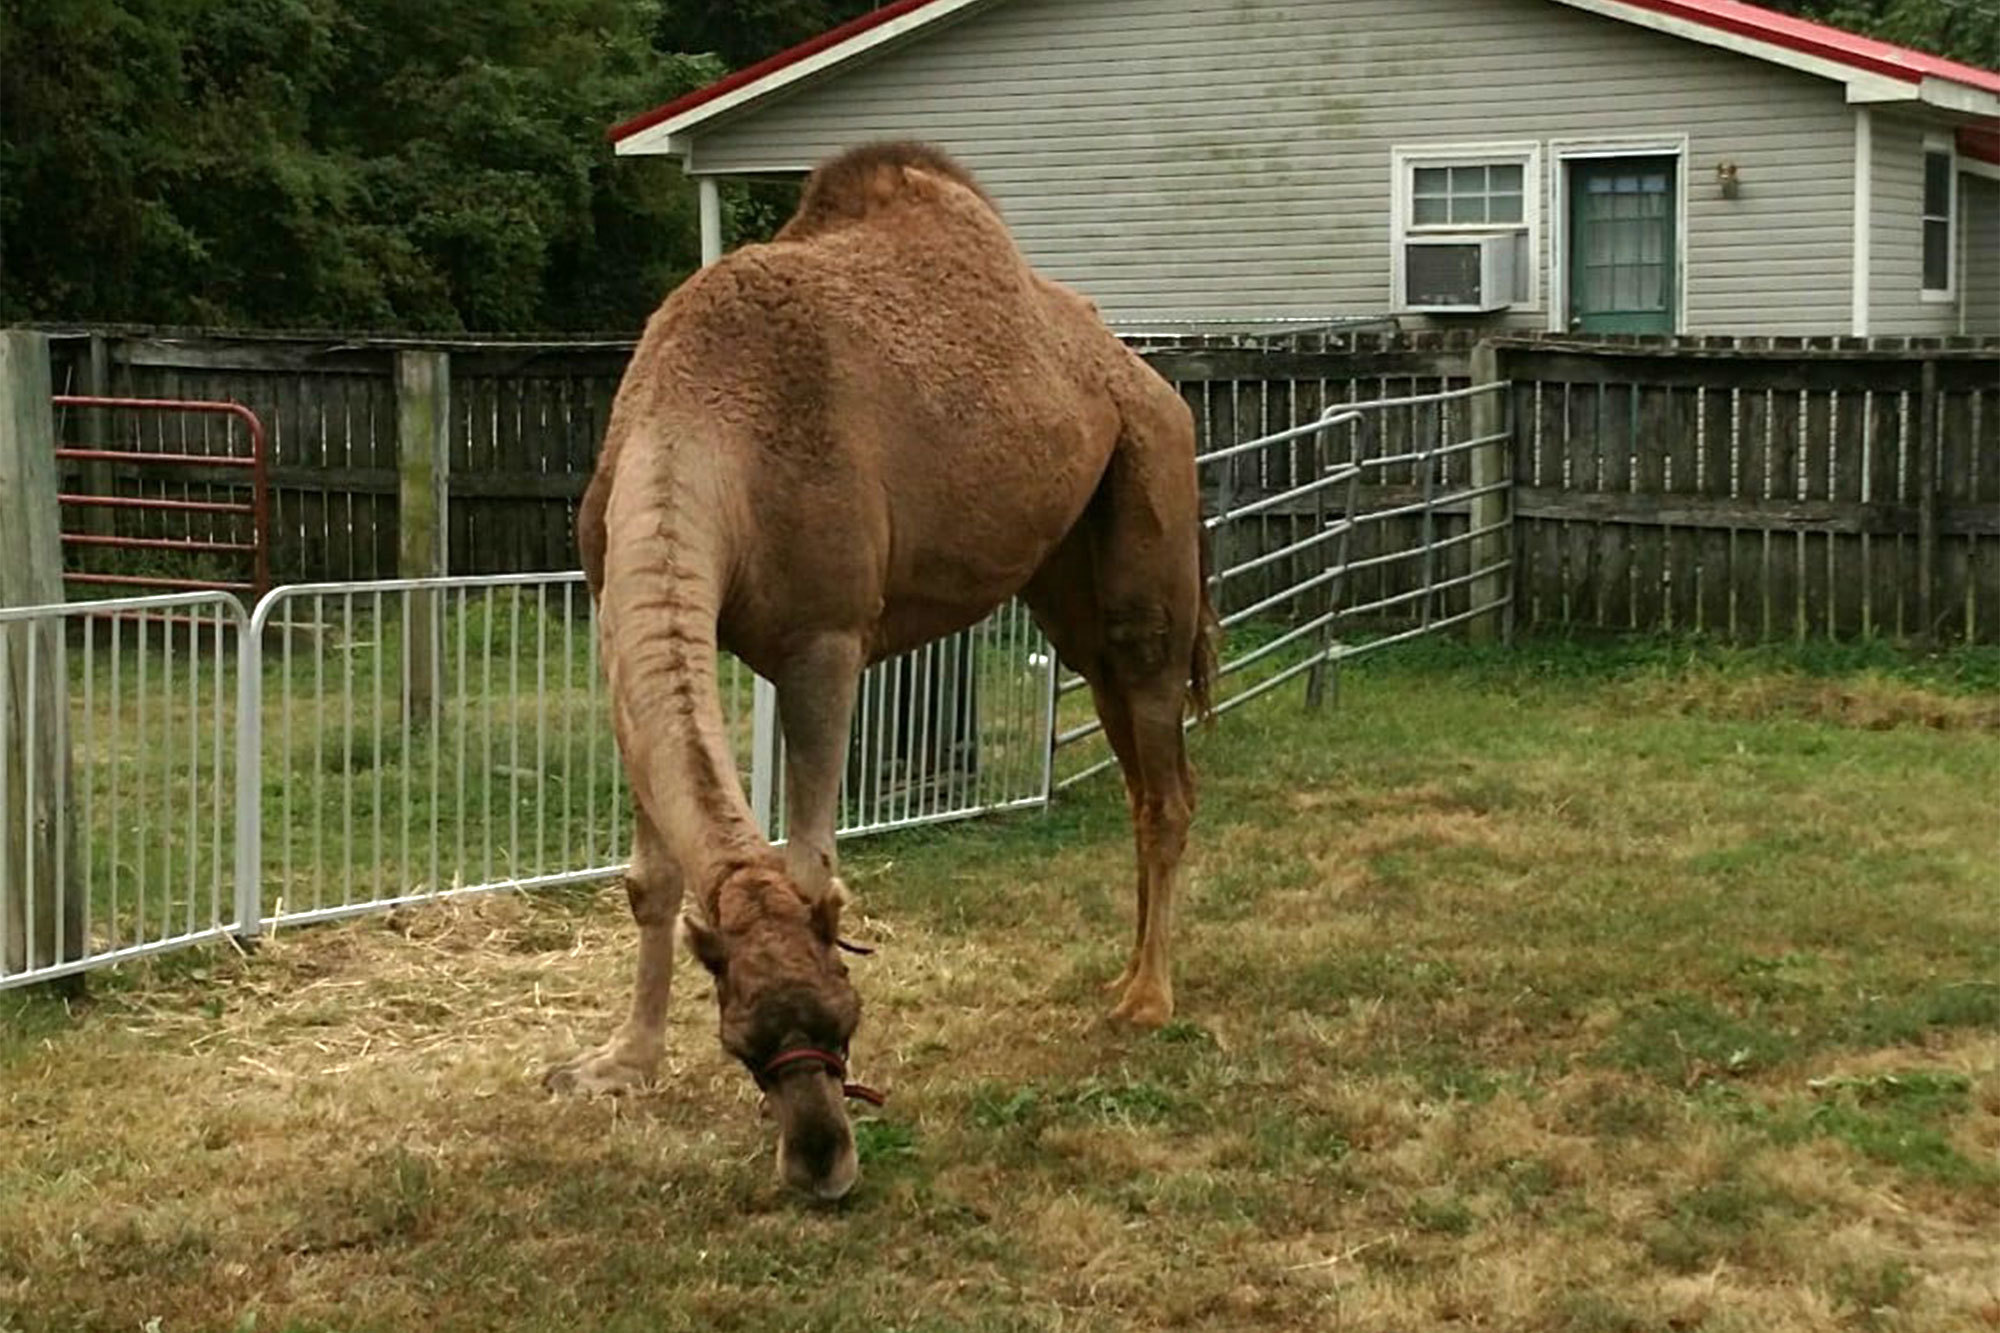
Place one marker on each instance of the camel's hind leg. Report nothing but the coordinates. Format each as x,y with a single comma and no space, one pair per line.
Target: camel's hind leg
1162,809
1125,613
1117,723
632,1056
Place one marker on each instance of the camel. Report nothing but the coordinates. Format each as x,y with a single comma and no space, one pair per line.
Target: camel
827,450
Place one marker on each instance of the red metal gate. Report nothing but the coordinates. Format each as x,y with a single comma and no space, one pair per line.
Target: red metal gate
206,526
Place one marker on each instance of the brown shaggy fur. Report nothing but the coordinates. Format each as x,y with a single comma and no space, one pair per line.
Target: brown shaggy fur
832,449
862,180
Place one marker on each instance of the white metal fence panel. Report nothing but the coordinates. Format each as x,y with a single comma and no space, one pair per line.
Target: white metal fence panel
424,738
138,699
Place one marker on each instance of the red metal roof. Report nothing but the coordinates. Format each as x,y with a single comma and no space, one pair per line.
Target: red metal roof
1818,39
812,46
1731,16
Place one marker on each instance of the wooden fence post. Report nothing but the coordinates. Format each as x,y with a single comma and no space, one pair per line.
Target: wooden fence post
423,454
1492,464
41,911
1925,466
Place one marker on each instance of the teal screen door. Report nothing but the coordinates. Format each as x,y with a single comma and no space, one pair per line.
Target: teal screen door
1622,275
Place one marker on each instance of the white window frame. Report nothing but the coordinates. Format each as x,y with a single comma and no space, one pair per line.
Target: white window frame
1404,159
1564,151
1944,145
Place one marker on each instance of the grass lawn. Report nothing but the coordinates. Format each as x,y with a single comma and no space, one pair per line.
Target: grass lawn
1583,988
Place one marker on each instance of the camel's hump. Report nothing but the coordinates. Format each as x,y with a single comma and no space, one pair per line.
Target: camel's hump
862,180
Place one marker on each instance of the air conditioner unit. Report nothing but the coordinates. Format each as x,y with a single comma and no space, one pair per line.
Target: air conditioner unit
1462,275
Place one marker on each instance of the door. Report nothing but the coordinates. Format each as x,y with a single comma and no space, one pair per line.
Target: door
1622,243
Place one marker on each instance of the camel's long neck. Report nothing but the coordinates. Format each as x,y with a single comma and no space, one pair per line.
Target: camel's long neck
662,591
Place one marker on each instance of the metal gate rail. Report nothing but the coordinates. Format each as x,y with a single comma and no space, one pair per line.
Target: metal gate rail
1439,460
257,509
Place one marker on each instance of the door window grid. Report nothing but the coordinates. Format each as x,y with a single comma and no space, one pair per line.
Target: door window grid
1624,261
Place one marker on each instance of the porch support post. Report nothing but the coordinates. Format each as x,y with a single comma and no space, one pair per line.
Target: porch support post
709,193
1863,226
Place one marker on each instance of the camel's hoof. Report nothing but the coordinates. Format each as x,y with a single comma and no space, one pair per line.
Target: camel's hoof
595,1073
1117,985
1144,1009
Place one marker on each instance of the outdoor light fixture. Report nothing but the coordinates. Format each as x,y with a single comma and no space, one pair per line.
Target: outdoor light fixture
1725,176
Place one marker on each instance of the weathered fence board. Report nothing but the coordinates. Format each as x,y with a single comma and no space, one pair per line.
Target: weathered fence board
1765,493
41,919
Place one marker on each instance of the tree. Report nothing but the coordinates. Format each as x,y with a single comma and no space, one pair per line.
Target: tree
350,163
1966,30
742,32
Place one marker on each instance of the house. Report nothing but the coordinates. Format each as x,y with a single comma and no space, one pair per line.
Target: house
1581,165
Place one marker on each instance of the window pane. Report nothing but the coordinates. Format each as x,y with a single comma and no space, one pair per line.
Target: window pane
1937,255
1937,185
1626,280
1597,288
1468,195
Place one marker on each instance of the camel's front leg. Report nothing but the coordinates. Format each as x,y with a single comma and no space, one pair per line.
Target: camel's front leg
632,1056
816,693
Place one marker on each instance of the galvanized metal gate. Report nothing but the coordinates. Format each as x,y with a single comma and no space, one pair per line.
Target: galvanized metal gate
1397,522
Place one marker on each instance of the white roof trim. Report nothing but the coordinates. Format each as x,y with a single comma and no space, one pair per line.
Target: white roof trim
655,139
1862,86
1957,97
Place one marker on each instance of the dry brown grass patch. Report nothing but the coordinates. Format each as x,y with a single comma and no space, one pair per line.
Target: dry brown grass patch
1866,702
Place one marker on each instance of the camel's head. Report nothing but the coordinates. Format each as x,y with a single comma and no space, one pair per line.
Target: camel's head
788,1013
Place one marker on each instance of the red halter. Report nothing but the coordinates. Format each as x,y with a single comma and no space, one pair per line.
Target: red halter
832,1063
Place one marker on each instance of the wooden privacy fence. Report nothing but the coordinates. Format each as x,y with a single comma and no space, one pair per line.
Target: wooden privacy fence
1759,492
1751,488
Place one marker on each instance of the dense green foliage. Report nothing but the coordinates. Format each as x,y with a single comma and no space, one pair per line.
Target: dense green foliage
742,32
432,166
361,163
1967,30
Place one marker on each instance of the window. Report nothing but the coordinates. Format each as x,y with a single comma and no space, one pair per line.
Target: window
1940,169
1467,199
1458,196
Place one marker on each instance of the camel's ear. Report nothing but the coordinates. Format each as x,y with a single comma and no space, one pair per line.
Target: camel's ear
706,945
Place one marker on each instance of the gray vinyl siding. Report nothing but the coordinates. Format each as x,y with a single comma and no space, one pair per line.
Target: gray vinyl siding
1194,158
1896,246
1979,209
